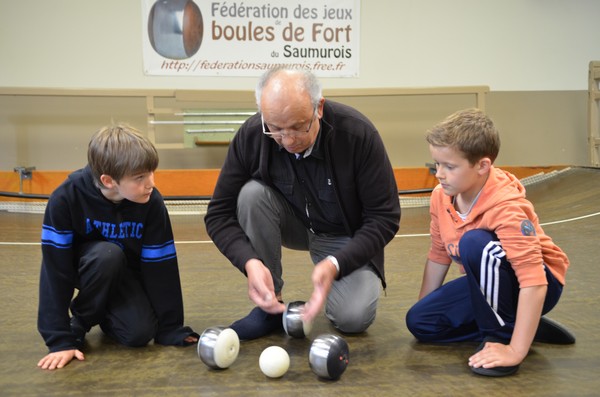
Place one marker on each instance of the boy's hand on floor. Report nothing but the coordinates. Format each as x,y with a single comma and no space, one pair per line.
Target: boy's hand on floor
495,355
59,359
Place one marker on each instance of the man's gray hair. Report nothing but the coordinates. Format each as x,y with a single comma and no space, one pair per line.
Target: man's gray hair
309,82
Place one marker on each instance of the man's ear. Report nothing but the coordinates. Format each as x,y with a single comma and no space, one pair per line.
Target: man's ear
107,181
485,164
320,107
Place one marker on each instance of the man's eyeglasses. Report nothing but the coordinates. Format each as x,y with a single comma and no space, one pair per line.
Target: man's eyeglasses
288,132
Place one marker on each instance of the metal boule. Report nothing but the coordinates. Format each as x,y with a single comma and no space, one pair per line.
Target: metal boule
218,347
293,323
329,355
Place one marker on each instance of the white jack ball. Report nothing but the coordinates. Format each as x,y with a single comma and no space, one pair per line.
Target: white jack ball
274,362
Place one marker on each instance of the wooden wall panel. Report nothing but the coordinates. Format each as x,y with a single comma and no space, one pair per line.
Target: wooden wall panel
202,182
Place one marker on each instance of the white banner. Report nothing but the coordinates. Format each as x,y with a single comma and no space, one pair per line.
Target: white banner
245,38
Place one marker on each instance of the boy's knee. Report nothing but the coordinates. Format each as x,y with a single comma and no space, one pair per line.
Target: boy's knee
477,244
413,322
104,259
135,335
474,242
422,331
476,238
113,256
137,339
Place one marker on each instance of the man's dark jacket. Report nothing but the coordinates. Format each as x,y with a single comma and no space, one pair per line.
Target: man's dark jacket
363,181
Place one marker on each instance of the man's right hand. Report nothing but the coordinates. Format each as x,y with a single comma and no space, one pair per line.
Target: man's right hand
260,287
59,359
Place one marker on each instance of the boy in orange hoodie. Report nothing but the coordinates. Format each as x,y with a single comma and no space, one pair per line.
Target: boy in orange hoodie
514,273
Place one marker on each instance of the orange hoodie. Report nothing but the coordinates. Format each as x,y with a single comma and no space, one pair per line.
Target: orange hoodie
503,209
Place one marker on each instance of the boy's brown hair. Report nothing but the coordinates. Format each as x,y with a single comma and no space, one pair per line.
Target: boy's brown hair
469,131
120,150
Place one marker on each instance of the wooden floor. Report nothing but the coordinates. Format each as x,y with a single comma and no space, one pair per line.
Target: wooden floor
384,361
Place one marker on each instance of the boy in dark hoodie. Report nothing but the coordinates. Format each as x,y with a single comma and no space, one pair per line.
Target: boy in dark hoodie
107,234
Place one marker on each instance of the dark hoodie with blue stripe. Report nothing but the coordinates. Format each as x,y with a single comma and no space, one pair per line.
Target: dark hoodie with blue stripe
77,213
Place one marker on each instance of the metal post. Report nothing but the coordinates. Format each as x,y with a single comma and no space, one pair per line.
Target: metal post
24,173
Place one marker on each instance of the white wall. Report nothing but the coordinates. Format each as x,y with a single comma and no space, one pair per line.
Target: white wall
510,45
